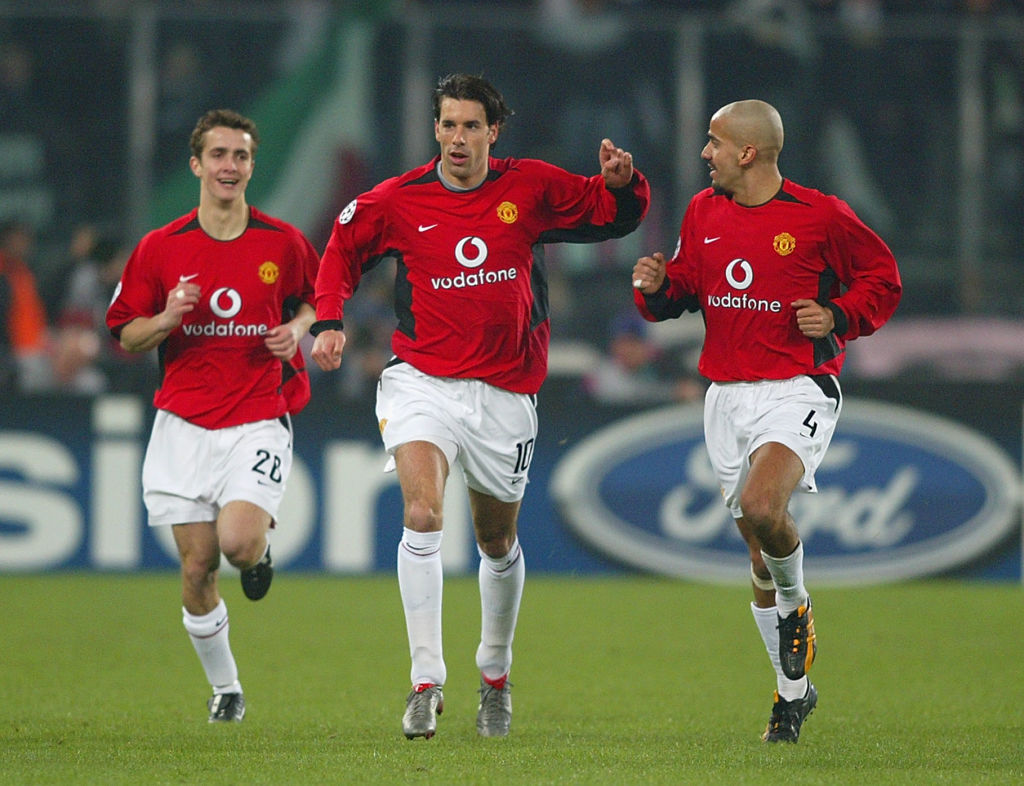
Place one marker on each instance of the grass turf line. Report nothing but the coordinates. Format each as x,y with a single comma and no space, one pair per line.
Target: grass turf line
618,680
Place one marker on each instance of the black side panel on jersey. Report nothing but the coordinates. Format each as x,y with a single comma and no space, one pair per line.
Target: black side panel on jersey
827,347
161,351
540,310
403,299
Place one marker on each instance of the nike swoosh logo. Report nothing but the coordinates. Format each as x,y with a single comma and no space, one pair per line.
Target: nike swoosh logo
423,228
711,239
187,278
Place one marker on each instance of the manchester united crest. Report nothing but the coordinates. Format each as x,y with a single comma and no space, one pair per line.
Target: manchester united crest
784,244
268,272
508,212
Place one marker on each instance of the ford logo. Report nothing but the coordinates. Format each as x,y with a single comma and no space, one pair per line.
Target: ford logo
901,494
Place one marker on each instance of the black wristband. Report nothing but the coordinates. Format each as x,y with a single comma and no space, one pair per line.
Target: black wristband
842,324
321,325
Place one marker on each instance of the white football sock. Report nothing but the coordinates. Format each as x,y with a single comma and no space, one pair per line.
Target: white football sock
420,581
768,624
209,635
501,590
788,575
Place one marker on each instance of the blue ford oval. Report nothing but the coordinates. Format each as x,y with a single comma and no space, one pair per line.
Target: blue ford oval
901,494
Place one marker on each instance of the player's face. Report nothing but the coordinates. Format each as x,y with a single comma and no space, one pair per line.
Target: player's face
465,140
226,164
722,155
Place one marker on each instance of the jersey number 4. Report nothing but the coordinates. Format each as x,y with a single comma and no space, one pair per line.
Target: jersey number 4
811,423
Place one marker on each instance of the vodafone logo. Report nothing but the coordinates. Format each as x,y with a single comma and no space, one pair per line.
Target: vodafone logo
740,276
477,254
225,303
471,252
744,269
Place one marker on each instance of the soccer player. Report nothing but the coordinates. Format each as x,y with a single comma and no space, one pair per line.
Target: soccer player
784,276
224,294
470,353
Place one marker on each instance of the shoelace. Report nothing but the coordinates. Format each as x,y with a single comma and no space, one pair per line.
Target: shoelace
421,705
490,698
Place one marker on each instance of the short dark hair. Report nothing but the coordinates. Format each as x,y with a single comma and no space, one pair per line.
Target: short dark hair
466,87
226,118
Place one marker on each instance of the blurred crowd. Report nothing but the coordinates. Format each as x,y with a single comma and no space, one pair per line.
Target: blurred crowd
63,242
54,338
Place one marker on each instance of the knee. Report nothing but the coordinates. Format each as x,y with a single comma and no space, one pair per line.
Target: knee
243,551
197,571
762,513
421,516
495,544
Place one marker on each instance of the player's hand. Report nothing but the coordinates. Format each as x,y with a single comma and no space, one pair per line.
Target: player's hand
813,319
649,273
327,349
616,165
180,301
282,341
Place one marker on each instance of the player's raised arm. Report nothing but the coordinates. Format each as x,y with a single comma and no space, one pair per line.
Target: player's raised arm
616,164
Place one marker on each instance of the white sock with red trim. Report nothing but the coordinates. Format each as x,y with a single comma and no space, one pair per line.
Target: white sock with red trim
501,591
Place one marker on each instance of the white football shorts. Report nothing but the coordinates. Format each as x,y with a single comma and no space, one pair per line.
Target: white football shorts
800,413
489,431
191,472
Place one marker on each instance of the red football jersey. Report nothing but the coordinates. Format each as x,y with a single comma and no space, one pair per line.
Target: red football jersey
216,369
471,289
744,266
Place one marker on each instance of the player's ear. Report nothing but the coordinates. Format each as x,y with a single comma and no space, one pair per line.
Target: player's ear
195,166
492,133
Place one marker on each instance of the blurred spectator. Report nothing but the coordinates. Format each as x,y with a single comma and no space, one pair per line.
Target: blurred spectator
73,352
85,355
636,371
25,326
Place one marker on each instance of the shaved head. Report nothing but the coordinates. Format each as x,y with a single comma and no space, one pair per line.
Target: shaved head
755,123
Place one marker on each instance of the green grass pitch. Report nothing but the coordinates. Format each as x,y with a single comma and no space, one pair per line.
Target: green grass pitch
618,680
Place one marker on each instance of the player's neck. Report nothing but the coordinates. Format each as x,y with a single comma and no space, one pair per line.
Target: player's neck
223,221
758,190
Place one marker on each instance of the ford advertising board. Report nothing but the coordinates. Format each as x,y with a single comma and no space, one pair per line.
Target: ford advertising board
901,494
